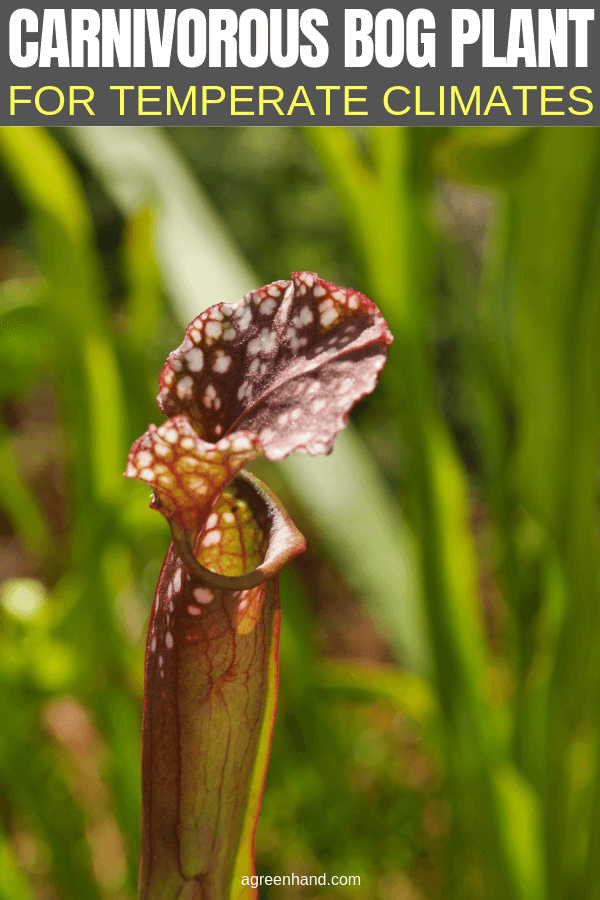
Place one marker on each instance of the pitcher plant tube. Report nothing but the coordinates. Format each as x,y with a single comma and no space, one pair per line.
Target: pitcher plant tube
274,373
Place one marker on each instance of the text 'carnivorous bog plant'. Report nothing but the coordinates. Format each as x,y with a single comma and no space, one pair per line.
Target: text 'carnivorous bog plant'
276,372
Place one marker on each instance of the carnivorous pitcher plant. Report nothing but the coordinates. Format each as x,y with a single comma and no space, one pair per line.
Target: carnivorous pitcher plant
277,372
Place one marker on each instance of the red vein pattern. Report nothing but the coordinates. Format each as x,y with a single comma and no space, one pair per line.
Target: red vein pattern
207,661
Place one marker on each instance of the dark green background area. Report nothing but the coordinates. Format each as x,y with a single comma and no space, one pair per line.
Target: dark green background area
438,729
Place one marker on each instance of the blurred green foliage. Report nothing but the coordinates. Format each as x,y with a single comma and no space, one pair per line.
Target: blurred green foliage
438,727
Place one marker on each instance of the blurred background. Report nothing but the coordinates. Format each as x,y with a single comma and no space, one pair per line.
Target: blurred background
438,723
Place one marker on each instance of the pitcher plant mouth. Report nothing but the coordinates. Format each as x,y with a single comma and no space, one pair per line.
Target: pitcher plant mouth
285,542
